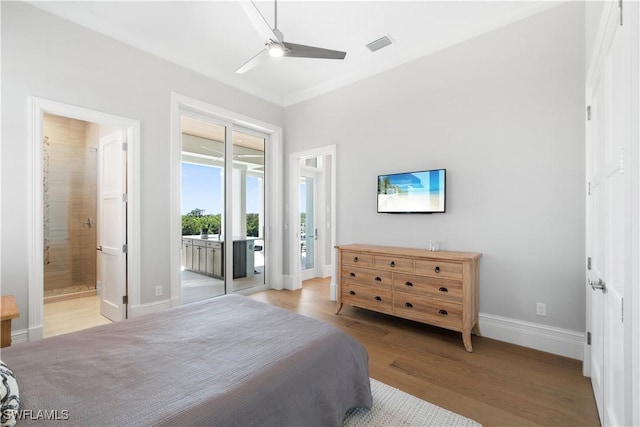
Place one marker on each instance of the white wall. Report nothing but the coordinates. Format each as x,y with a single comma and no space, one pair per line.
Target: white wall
48,57
504,113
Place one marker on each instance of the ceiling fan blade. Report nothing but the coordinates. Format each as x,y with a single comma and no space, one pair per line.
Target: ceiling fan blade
259,23
303,51
211,149
259,58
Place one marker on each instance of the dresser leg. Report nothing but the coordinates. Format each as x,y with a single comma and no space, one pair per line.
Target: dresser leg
476,330
339,308
466,339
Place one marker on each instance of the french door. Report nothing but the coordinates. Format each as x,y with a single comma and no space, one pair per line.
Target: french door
309,183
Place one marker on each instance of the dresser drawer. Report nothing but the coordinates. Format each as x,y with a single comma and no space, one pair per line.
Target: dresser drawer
421,285
368,277
393,263
378,299
428,310
433,268
356,258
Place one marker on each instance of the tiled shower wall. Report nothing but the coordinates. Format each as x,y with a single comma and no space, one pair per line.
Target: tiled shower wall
70,199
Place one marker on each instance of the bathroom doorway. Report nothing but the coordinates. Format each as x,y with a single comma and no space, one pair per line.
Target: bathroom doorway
84,205
117,242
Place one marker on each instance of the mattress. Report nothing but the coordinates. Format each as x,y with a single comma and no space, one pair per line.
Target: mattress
224,361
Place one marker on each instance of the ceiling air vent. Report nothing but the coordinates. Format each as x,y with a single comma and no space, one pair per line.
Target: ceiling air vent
379,44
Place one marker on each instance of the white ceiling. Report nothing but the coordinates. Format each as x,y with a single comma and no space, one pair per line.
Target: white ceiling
214,38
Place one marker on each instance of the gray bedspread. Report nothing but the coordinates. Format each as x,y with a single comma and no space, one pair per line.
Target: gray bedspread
221,362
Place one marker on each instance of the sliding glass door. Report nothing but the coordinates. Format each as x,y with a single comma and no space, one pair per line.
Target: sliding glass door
223,246
248,209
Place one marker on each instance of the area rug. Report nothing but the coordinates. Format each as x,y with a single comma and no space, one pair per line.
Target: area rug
393,407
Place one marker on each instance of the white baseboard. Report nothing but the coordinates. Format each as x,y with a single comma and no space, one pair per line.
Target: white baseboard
287,282
20,336
151,307
558,341
333,291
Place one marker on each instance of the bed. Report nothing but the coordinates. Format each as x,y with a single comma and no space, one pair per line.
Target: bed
224,361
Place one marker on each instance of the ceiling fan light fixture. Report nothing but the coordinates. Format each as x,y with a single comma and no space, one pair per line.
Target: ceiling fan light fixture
275,50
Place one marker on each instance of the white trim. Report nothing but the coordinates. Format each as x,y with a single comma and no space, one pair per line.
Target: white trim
634,14
287,282
37,108
151,307
180,105
20,336
294,200
558,341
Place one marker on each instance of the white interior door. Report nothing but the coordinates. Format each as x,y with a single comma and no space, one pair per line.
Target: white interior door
608,245
112,235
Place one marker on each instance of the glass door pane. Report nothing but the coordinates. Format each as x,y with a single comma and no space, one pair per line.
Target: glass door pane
307,222
248,207
203,206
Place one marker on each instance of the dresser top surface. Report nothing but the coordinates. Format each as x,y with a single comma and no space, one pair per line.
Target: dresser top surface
415,252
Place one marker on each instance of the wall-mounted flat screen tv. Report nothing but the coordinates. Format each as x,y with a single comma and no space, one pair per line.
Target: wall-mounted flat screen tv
412,192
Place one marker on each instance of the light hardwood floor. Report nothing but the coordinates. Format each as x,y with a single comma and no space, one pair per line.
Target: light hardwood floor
499,384
72,315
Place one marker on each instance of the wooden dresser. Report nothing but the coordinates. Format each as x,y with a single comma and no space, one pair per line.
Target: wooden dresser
438,288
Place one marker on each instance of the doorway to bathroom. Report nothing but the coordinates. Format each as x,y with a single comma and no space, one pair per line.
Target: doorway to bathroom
84,216
83,212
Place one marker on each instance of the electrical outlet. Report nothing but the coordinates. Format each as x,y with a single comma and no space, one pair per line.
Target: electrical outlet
158,291
541,309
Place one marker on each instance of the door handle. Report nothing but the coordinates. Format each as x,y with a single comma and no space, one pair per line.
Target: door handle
99,248
598,285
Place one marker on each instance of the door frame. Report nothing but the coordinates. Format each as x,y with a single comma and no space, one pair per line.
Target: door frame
37,108
181,105
294,216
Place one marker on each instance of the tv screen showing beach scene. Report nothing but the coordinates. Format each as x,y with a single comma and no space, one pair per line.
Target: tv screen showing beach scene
412,192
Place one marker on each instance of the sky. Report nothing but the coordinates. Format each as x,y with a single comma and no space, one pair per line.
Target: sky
201,190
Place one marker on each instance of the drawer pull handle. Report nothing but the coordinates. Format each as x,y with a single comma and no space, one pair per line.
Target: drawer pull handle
352,292
355,259
378,279
408,283
377,298
443,289
408,305
352,274
392,264
443,312
437,269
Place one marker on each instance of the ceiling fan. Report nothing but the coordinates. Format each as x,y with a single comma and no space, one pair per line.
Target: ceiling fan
275,46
